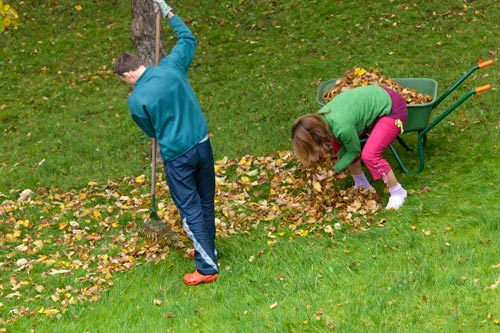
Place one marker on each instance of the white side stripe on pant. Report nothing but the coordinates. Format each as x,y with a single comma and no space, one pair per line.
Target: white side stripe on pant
198,248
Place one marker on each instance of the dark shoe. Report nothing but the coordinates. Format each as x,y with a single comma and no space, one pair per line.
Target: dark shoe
196,278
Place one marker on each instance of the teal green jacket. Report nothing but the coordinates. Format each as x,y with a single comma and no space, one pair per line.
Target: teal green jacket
163,103
349,114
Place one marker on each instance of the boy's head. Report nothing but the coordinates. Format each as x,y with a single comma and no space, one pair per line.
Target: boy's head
129,67
311,139
127,62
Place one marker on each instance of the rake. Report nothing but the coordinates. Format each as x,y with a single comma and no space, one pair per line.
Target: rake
154,228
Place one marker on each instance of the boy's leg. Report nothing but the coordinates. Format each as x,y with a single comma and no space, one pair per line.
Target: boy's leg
182,176
205,184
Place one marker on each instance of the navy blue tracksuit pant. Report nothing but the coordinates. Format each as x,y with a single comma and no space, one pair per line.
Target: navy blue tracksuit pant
191,180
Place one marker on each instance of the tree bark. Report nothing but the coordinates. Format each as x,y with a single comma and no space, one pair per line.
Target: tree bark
143,31
143,36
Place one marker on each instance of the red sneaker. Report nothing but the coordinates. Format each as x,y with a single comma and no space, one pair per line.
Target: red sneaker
196,278
191,254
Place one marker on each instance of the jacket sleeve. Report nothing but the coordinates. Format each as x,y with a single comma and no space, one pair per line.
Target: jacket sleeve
351,148
183,52
141,118
145,125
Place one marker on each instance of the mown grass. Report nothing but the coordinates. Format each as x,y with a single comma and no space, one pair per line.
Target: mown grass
64,122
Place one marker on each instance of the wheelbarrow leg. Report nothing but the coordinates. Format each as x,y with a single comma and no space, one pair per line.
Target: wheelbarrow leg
398,159
421,139
404,145
408,148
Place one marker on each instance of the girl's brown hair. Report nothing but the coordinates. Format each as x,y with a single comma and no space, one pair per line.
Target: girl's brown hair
311,139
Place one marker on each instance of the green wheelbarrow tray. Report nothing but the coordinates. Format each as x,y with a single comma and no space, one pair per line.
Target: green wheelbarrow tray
419,114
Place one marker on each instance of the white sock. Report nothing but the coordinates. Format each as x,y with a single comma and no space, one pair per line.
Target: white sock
398,191
361,181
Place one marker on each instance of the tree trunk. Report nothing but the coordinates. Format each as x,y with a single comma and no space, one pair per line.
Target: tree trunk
143,31
143,35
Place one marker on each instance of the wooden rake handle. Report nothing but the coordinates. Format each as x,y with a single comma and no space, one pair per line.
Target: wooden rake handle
154,140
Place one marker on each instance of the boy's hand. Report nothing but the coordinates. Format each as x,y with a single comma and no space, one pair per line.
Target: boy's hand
162,6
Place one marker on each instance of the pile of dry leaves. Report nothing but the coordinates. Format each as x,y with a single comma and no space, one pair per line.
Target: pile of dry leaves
65,247
357,77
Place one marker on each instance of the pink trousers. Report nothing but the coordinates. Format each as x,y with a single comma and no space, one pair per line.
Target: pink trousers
385,131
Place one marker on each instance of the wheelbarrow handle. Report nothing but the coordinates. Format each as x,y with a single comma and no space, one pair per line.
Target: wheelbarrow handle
483,88
483,64
480,64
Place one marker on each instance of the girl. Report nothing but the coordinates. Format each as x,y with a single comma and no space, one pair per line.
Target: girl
374,110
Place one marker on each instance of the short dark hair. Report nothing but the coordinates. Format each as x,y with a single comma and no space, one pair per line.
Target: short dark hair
127,62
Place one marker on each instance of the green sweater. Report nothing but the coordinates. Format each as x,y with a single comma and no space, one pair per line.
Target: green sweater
163,103
349,114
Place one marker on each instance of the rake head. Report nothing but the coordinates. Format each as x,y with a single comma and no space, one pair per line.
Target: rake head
155,230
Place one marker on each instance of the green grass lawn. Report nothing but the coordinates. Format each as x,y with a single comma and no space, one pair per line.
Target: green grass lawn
66,134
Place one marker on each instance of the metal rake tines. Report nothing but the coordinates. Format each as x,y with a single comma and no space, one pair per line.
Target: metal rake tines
159,233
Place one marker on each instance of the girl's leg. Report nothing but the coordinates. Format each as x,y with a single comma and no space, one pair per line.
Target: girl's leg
359,177
385,131
355,169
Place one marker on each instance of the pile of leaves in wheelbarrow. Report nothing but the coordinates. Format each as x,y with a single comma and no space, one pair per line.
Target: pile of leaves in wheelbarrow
357,77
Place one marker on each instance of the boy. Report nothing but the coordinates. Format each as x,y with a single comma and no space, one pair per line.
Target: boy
165,107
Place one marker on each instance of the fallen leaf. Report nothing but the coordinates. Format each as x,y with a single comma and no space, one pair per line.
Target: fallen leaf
26,194
317,186
425,189
58,271
140,179
494,285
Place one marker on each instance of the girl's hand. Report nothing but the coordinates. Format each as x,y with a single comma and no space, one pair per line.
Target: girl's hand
320,175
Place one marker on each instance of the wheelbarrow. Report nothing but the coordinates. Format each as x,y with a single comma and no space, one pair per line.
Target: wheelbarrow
419,114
